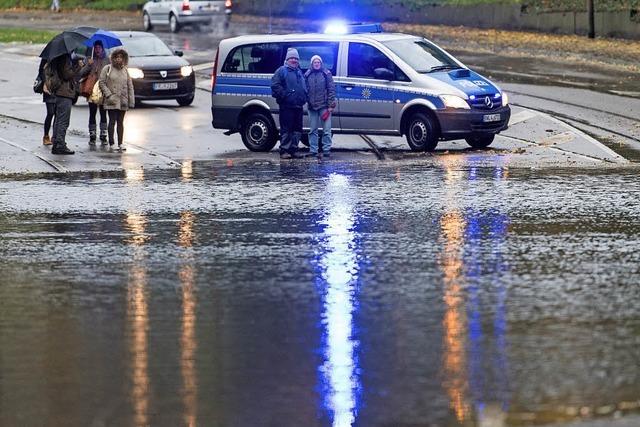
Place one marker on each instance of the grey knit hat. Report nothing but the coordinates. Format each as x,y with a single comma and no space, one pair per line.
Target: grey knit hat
314,57
292,53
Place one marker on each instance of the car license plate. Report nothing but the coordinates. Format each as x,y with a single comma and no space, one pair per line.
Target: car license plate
165,86
491,118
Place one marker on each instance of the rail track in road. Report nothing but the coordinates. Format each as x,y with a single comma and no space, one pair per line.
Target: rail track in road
631,150
57,167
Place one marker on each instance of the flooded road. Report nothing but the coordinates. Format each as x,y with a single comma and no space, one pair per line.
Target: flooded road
320,294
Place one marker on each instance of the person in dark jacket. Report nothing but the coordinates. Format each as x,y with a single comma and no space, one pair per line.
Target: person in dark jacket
49,101
322,101
91,72
62,80
289,89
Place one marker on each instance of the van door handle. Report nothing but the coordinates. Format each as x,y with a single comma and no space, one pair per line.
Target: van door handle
348,86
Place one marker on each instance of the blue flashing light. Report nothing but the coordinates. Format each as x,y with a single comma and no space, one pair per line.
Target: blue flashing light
338,27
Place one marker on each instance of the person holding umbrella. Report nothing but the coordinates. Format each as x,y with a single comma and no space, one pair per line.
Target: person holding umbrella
98,42
61,80
91,73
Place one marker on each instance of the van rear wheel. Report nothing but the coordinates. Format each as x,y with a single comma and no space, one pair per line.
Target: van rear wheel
422,133
480,141
258,133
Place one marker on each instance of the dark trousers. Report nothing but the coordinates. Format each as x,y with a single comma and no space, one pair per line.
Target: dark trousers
93,109
290,129
116,117
63,116
51,112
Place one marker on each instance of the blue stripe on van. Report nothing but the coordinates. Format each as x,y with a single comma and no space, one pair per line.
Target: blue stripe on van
247,81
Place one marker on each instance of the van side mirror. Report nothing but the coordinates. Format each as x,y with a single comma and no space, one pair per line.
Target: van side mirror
178,53
383,74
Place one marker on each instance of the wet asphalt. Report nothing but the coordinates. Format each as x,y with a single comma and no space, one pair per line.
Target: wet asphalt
190,282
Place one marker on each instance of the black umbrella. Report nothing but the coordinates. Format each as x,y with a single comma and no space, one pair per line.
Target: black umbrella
66,42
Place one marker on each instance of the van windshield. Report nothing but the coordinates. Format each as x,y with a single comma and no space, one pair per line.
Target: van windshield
422,55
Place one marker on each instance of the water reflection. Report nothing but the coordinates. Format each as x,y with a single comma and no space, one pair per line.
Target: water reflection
338,270
138,317
475,379
188,341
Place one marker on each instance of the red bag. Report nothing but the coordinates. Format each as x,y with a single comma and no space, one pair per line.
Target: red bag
325,115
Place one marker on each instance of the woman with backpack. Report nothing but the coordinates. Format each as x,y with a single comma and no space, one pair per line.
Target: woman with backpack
117,89
90,73
321,102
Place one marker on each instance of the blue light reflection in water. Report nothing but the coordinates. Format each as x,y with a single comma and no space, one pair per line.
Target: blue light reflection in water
337,280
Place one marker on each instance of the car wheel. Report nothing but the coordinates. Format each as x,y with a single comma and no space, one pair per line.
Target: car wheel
174,25
421,133
183,102
258,132
146,22
480,141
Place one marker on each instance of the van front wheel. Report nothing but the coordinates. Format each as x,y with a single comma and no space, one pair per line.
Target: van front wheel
480,141
422,133
258,133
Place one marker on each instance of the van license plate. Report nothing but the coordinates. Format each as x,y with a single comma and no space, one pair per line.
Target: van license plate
491,118
165,86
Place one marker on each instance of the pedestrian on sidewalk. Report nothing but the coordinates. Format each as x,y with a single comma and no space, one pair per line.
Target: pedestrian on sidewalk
55,5
89,74
49,101
117,88
289,89
61,79
322,101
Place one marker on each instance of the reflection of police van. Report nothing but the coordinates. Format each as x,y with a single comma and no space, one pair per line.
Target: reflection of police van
386,84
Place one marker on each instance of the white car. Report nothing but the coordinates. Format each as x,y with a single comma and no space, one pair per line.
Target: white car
177,14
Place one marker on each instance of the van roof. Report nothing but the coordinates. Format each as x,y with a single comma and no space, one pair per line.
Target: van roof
266,38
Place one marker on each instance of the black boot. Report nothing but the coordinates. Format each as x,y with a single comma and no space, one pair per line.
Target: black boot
61,149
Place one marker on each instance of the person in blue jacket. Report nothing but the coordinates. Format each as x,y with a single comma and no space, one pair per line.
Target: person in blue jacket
289,88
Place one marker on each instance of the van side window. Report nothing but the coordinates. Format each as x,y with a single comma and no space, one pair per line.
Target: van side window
364,59
328,51
254,58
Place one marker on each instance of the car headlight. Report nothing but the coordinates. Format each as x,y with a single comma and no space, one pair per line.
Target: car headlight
453,101
505,99
186,70
135,73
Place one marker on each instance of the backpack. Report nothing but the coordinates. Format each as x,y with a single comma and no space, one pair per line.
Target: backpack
52,79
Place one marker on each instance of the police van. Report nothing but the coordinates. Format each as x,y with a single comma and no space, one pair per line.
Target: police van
386,84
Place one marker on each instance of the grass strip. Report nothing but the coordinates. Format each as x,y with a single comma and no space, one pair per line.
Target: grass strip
25,35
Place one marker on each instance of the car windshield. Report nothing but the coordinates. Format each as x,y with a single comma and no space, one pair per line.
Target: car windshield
422,55
145,46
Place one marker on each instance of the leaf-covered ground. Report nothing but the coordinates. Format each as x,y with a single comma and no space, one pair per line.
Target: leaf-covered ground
606,52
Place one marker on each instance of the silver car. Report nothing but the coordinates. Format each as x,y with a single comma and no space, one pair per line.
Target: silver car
177,14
